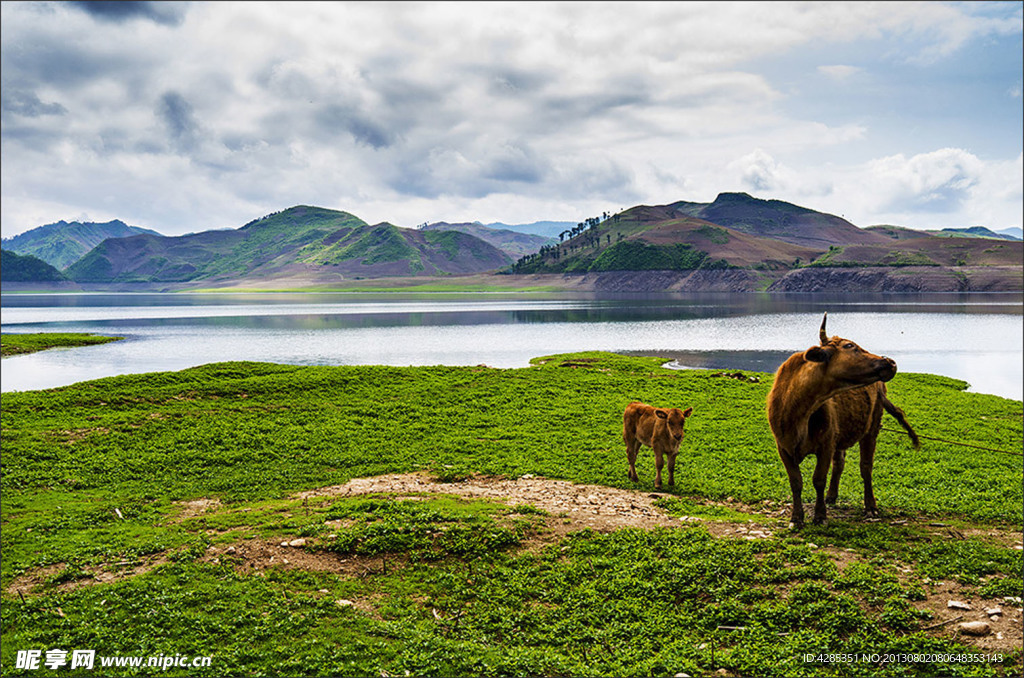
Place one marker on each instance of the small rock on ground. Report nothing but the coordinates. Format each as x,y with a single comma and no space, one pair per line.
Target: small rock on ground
975,628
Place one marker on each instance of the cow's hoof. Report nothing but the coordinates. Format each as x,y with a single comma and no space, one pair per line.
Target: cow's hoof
794,525
819,520
831,501
871,512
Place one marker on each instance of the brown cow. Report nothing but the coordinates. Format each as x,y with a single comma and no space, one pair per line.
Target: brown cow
659,429
823,401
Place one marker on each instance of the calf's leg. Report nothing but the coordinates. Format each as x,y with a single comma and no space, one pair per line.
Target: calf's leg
672,468
659,462
632,447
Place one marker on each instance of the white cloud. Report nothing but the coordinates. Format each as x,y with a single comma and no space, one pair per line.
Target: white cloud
839,72
762,173
939,181
225,111
943,188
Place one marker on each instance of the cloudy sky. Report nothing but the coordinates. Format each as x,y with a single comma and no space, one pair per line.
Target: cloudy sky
189,116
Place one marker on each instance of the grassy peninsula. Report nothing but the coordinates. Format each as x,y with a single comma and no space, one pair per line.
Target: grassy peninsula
17,344
144,515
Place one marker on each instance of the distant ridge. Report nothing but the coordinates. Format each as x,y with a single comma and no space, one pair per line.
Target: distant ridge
63,243
512,242
977,232
548,229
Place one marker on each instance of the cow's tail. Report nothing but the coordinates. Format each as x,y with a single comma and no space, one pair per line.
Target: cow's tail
902,419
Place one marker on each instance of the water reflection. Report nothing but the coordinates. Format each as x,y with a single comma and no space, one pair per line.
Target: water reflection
977,338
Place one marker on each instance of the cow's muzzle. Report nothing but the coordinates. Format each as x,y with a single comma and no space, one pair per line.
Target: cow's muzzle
886,369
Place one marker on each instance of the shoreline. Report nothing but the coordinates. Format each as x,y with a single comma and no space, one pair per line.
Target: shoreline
810,280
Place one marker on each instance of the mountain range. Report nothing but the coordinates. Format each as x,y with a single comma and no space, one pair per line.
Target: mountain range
298,240
736,241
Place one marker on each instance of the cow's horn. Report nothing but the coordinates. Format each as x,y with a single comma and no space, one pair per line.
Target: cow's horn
824,336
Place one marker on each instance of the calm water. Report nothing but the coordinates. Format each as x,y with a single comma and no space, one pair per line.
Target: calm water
977,338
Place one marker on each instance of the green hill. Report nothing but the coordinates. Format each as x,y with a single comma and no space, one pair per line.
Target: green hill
739,231
295,241
63,243
26,268
660,238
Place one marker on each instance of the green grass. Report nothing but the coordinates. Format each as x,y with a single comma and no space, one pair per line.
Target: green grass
94,474
893,258
715,234
636,255
632,602
17,344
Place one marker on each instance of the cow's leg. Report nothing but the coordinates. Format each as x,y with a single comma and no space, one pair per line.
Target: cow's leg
632,447
820,478
796,485
659,462
838,464
867,464
672,468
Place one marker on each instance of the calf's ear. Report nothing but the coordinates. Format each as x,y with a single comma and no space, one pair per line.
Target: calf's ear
662,414
816,354
687,412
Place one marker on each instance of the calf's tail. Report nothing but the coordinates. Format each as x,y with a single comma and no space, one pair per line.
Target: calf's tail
902,419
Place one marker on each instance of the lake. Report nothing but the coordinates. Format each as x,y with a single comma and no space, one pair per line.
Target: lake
973,337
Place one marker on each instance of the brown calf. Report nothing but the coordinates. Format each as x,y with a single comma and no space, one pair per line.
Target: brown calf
659,429
823,401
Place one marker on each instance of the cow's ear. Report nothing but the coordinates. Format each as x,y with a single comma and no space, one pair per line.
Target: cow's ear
662,414
687,412
816,354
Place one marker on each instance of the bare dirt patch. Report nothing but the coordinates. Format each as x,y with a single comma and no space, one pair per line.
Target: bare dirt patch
599,508
34,581
196,507
253,556
28,582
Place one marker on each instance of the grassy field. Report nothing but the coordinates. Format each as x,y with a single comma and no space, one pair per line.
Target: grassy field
104,547
17,344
